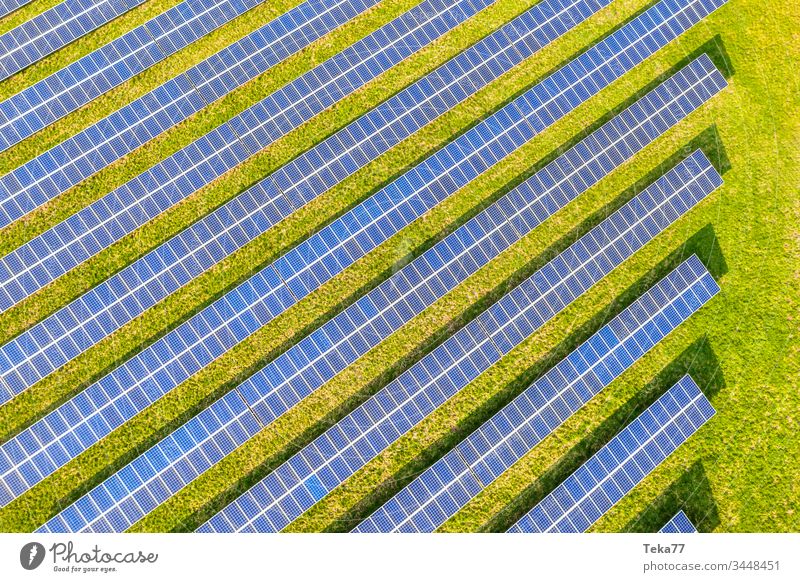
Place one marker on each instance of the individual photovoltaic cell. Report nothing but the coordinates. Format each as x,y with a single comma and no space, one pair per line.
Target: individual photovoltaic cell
235,316
55,28
338,343
68,89
176,262
393,411
133,204
602,481
448,485
10,6
679,523
87,152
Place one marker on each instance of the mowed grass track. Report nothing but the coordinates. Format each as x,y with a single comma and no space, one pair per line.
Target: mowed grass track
738,474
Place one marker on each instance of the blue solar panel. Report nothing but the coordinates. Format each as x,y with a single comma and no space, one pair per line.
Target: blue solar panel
10,6
402,404
338,343
122,211
232,318
602,481
448,485
83,80
679,523
87,152
55,28
172,265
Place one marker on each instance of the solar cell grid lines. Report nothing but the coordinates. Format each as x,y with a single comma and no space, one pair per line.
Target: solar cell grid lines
232,318
55,28
75,85
148,280
9,6
87,152
107,220
602,481
311,474
450,483
680,523
307,365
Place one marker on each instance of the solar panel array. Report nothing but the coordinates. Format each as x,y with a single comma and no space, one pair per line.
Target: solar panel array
156,370
602,481
323,465
198,444
55,28
128,389
87,152
68,89
68,332
679,523
96,227
133,204
449,484
9,6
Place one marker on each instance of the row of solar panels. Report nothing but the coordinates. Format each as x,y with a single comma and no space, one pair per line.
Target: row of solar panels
438,493
503,133
291,489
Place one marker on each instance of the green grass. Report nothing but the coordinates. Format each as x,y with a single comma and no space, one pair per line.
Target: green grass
739,473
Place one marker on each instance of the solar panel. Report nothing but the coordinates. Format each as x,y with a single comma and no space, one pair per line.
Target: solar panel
216,329
72,87
55,28
393,411
679,523
449,484
307,365
10,6
122,211
148,280
96,227
87,152
602,481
